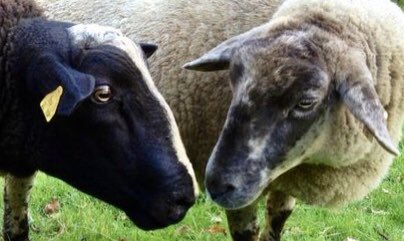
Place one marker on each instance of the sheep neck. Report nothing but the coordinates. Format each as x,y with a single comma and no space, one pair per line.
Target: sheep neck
12,11
12,137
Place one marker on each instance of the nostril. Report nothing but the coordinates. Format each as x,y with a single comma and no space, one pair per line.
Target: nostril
219,190
181,204
229,187
176,213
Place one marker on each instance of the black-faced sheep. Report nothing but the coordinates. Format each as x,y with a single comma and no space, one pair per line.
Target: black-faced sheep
79,103
312,44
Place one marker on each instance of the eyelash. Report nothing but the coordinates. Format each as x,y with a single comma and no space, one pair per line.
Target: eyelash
306,104
301,112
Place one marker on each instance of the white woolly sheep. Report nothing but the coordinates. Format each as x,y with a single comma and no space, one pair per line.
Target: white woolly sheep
78,102
313,92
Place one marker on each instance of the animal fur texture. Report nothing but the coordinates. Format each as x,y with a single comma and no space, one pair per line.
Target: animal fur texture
11,12
348,162
344,162
343,156
184,29
106,121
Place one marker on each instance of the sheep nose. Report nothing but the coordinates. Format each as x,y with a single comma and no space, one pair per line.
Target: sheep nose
177,211
219,189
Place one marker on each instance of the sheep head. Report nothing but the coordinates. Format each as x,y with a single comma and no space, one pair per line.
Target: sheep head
112,135
283,92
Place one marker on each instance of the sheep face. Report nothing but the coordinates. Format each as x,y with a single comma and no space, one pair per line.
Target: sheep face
113,135
283,93
278,93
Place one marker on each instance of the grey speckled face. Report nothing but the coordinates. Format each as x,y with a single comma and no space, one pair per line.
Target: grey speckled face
278,93
284,91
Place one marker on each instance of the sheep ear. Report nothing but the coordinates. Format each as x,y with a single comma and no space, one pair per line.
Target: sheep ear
361,98
219,57
148,49
60,87
216,59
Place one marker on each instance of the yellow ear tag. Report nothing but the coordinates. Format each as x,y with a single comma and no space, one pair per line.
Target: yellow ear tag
50,102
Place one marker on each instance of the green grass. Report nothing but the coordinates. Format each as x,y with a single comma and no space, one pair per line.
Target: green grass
400,2
380,217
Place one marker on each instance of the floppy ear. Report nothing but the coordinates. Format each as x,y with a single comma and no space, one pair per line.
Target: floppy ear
359,95
48,74
148,49
219,57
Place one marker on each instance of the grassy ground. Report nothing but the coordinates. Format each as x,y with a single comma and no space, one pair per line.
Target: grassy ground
380,217
400,2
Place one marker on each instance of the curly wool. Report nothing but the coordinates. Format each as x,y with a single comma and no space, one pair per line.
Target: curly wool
11,12
183,30
350,163
11,130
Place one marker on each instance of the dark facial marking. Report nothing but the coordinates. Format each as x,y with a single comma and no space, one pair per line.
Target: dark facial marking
237,72
121,151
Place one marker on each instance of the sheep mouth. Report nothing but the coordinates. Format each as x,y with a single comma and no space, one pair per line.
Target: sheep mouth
238,190
157,218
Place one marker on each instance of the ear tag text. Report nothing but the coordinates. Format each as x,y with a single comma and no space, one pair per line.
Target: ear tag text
50,103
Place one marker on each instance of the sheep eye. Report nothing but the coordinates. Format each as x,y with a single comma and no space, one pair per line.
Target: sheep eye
306,104
102,94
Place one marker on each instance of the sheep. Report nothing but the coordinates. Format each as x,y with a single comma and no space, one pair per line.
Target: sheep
317,106
337,43
79,103
169,23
